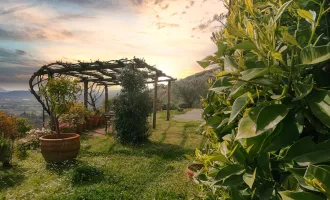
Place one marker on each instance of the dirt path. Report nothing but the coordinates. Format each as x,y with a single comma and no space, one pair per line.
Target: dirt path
195,114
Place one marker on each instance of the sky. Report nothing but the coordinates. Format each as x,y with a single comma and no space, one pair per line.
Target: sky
169,34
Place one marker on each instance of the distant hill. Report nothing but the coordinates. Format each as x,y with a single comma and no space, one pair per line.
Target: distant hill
16,95
2,90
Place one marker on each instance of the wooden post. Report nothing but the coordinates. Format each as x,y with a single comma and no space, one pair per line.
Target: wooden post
106,102
86,93
168,100
155,103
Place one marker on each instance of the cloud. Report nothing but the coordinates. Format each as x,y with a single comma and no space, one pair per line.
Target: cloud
16,8
17,65
165,7
34,34
161,25
192,3
202,26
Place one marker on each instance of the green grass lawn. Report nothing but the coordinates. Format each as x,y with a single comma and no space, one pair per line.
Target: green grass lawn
107,170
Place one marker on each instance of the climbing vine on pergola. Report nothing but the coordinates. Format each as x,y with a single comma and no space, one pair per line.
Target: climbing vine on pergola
102,73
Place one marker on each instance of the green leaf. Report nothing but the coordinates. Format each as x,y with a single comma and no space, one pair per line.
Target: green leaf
220,85
290,39
302,89
246,45
299,173
204,63
221,48
306,152
288,195
270,116
249,178
305,14
246,128
230,64
228,171
319,103
313,55
253,73
237,89
285,134
319,177
282,9
207,61
238,106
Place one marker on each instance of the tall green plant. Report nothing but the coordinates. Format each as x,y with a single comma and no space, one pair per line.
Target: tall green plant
60,94
267,115
132,107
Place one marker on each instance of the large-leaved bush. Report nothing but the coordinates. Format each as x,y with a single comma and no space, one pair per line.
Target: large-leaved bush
267,114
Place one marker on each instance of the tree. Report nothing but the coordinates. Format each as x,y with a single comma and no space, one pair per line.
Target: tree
132,107
267,115
191,89
59,94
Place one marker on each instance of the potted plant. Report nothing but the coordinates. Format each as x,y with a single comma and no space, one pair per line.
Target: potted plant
76,117
60,94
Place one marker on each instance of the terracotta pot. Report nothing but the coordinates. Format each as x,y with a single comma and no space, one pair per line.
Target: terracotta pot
90,123
56,149
96,121
192,169
79,128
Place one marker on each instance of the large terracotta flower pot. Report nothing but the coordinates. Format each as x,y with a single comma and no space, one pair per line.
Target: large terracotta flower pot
56,149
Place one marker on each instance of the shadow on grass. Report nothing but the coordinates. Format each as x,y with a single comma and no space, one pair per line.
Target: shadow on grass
60,168
10,177
164,133
149,149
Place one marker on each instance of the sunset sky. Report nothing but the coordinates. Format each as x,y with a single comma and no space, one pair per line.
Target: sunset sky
170,34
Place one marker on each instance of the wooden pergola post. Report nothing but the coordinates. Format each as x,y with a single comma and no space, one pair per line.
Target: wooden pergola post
106,103
86,93
155,102
168,100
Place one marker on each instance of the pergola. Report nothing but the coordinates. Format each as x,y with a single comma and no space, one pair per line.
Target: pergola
104,74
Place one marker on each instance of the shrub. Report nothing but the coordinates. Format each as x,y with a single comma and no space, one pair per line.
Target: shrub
21,150
23,126
267,115
132,107
5,150
85,173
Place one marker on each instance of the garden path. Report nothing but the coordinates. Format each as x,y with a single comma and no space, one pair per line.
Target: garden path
195,114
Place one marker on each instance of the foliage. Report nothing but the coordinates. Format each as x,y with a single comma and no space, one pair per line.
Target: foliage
23,126
21,150
8,126
5,150
85,173
60,93
132,107
32,138
191,89
76,114
267,115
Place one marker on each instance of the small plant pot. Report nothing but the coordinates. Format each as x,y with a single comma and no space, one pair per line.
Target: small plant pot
192,169
56,149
